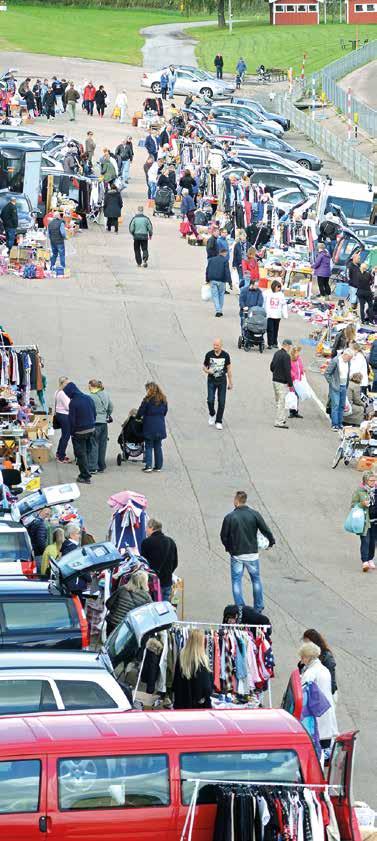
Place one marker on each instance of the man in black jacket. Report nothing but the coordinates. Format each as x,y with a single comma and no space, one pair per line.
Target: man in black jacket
239,536
9,218
82,418
161,553
124,154
281,381
38,535
218,274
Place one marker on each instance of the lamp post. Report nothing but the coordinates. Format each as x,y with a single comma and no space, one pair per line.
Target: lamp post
230,16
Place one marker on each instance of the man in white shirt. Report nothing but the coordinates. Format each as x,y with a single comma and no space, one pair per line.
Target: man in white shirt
337,375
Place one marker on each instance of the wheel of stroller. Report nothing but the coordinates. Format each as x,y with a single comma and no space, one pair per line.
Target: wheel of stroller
247,347
239,343
119,460
346,461
338,456
261,347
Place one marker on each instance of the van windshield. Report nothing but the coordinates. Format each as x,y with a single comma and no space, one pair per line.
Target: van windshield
247,766
352,208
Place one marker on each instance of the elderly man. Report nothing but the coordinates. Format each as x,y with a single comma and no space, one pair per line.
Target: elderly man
72,538
217,367
337,376
161,554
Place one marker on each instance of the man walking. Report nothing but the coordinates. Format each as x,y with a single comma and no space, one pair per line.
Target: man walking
58,235
219,64
217,366
172,80
337,375
124,154
90,145
161,553
71,97
218,274
239,536
9,218
88,98
82,418
141,229
281,381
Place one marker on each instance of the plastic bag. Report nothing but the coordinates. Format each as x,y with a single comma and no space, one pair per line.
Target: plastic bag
206,292
302,388
291,401
263,543
184,228
355,521
347,408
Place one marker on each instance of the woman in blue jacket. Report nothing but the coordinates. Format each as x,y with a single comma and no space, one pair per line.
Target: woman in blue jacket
152,411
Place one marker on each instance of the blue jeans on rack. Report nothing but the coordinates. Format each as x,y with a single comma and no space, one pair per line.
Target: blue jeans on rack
237,567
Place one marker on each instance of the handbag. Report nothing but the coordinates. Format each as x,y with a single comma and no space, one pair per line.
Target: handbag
302,388
206,292
355,521
184,228
55,422
262,541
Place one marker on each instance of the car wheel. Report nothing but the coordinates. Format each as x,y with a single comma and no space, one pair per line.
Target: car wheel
306,164
207,92
156,87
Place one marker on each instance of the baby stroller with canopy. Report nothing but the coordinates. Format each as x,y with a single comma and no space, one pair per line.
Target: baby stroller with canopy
131,440
163,202
254,326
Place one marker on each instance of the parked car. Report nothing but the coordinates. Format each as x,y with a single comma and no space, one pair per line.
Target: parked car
26,218
102,776
33,614
189,82
16,552
48,681
280,147
288,198
275,179
270,115
221,127
240,111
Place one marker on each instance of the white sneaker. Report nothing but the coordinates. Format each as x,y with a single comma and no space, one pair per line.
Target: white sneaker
219,426
211,421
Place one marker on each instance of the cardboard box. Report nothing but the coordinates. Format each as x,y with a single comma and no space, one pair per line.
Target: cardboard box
40,455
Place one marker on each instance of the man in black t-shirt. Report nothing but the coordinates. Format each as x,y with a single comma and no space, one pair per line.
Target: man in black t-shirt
217,367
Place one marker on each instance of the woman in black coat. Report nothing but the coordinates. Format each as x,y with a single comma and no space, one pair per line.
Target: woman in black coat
153,411
100,100
112,207
326,657
187,182
193,681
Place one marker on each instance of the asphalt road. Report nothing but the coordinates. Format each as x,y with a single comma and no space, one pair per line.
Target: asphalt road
363,83
125,325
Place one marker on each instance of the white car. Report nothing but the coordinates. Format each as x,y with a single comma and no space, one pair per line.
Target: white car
48,681
286,199
188,81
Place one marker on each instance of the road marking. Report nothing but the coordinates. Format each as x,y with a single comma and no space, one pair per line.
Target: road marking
319,403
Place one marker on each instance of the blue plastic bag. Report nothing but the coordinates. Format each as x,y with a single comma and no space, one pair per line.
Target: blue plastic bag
355,521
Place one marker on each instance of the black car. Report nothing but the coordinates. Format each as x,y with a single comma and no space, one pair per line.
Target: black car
26,218
35,615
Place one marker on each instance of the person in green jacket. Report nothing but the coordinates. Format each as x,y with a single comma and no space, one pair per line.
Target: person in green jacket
108,170
365,496
98,442
141,229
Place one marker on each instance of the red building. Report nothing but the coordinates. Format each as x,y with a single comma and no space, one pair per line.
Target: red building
288,14
357,12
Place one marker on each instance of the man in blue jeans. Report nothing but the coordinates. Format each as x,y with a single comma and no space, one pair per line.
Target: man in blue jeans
337,375
218,274
239,536
57,235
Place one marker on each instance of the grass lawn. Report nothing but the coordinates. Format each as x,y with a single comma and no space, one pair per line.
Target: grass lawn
278,46
103,34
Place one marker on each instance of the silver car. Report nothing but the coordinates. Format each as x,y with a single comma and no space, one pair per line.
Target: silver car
189,81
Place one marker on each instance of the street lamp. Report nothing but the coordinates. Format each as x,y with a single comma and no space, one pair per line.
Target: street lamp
230,16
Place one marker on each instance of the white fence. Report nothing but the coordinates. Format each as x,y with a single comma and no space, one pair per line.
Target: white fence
327,80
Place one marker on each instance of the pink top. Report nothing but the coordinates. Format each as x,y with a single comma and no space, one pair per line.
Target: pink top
61,402
297,369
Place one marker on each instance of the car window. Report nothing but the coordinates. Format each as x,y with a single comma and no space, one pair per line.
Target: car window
14,547
84,695
43,613
26,696
273,144
113,782
267,765
19,786
352,208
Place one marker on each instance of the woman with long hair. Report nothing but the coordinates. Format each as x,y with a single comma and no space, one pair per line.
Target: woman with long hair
326,657
153,410
128,596
193,684
53,550
61,415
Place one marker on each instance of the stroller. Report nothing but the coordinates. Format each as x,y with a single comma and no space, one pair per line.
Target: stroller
131,439
254,326
163,202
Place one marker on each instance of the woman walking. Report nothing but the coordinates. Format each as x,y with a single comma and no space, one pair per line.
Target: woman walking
153,410
112,208
365,497
326,657
98,441
192,684
61,413
322,270
297,371
276,308
364,294
100,100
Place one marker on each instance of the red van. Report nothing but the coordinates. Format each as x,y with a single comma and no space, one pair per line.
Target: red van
130,776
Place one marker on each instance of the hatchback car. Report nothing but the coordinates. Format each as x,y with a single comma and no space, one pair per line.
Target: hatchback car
249,117
33,614
270,115
26,218
16,552
189,82
280,147
45,681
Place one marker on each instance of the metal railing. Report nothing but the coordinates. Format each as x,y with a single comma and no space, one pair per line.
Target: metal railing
327,79
341,150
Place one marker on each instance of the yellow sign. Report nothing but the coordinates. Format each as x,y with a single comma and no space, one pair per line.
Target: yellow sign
356,118
34,484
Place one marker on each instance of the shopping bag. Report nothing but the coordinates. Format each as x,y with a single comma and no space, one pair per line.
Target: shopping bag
347,408
184,228
302,388
262,541
355,520
116,112
206,292
291,401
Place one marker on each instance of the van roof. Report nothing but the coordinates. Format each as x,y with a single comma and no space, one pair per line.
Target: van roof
82,731
349,190
23,587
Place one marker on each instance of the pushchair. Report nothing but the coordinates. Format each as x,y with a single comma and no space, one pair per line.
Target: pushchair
131,439
254,326
163,202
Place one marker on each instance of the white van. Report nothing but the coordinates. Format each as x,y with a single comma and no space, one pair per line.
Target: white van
356,201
